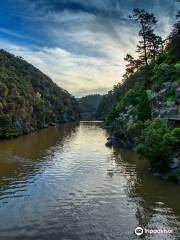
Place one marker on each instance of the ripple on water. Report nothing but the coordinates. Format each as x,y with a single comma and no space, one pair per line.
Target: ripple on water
70,186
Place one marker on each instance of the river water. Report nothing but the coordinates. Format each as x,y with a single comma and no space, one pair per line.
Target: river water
63,183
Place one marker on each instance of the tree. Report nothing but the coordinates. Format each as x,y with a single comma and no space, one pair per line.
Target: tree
3,90
132,65
146,20
155,46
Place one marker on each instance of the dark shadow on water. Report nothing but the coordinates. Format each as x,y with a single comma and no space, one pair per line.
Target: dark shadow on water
22,157
152,195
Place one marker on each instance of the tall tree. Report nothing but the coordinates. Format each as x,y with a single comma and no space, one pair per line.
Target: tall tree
131,66
146,21
155,45
174,39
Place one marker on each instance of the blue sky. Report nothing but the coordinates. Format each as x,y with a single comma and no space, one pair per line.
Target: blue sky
80,44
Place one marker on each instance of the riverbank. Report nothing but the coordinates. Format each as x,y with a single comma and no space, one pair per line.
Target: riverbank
172,170
19,127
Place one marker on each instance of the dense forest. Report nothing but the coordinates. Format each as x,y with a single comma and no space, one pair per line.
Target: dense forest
29,99
143,110
88,105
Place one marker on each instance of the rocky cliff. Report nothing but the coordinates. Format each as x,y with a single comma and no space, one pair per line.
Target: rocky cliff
165,103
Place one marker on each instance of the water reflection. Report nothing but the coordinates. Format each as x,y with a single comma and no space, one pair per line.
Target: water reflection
157,201
24,156
63,183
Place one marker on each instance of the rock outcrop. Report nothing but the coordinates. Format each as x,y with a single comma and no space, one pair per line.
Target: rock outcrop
165,103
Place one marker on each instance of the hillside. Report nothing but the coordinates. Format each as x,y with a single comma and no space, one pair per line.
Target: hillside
29,100
88,105
143,111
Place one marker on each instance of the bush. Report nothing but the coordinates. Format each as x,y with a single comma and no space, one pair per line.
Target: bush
6,127
158,143
176,133
162,73
134,130
3,90
143,108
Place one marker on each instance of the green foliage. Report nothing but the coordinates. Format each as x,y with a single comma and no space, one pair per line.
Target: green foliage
127,108
89,103
3,90
130,98
176,134
143,108
134,130
170,95
29,99
6,128
150,43
163,72
157,146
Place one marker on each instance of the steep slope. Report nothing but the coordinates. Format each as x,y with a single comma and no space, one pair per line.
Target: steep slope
143,112
88,105
29,99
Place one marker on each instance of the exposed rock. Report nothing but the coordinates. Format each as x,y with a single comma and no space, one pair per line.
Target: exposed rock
166,85
109,143
175,84
161,93
53,124
118,142
45,126
169,111
174,163
19,126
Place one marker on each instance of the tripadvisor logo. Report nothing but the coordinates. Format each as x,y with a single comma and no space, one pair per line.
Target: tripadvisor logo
139,231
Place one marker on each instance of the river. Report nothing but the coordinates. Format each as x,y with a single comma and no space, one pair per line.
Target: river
62,183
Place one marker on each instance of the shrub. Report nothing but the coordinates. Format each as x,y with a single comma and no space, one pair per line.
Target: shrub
157,146
134,130
176,133
6,127
143,108
162,73
3,90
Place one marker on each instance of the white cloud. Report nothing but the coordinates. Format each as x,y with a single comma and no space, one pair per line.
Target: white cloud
78,73
94,61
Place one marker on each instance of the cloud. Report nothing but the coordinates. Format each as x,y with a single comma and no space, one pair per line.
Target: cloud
79,44
78,74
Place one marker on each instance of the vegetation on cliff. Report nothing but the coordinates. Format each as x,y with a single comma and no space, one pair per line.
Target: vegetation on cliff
138,107
88,105
29,99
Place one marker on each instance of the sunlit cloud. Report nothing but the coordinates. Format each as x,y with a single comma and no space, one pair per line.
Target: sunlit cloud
79,44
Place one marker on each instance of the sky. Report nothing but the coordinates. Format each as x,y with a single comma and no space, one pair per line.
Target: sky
80,44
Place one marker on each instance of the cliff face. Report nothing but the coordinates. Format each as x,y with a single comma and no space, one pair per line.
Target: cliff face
165,103
29,100
143,112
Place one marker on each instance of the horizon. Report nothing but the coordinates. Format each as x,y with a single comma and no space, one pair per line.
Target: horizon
80,46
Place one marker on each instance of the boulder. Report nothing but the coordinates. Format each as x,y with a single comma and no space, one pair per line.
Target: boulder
109,143
45,126
174,164
166,85
161,94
